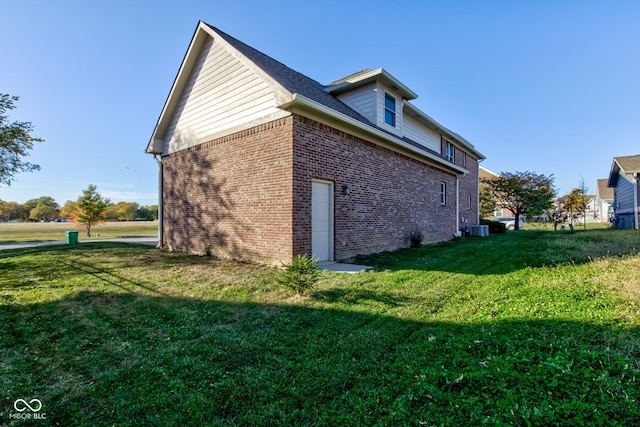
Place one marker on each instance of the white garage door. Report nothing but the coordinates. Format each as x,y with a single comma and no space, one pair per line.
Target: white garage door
322,220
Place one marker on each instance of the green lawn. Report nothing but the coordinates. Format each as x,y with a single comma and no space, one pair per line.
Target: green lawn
526,328
42,231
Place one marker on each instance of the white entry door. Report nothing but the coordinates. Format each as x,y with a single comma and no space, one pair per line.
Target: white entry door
322,220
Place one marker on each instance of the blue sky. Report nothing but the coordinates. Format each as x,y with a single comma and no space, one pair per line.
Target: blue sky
546,86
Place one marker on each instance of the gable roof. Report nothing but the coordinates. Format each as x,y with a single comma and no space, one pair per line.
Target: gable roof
367,76
604,192
295,90
623,165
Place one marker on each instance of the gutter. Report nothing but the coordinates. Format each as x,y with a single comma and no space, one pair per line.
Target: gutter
298,100
160,185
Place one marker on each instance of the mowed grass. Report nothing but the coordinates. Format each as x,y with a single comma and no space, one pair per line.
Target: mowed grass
44,231
527,328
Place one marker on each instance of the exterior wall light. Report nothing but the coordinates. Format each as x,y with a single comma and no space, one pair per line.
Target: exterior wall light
345,189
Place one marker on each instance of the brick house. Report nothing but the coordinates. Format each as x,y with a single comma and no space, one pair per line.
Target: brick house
259,162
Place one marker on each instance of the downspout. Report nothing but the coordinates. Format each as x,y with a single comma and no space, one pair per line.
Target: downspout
635,200
457,232
478,195
159,163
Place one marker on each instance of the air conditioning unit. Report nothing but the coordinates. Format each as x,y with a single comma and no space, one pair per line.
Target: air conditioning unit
478,230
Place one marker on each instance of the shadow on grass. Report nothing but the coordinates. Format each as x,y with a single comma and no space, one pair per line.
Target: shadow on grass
129,359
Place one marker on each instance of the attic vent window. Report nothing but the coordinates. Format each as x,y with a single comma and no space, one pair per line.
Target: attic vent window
389,110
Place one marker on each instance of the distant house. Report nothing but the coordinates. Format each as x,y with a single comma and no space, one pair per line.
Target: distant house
499,211
623,179
260,163
603,201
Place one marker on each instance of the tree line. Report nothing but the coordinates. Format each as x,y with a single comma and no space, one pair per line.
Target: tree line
45,208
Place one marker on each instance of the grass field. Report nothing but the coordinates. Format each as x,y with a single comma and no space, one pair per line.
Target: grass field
43,231
528,328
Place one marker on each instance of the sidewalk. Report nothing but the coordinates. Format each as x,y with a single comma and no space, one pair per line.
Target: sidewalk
138,240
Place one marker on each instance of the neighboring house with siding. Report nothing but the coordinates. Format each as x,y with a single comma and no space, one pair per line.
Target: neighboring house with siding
259,162
603,201
499,211
623,179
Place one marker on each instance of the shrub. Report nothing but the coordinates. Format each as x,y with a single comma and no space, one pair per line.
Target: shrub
495,227
301,274
415,239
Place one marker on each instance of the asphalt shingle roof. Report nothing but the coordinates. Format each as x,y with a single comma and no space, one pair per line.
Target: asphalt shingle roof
296,82
292,80
629,164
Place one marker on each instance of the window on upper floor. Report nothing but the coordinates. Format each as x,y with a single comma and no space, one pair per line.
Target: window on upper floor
450,152
389,110
464,159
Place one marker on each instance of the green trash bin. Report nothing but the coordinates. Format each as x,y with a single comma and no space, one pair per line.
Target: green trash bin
72,237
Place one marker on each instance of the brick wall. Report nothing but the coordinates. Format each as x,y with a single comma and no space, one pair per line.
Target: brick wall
240,196
390,195
231,197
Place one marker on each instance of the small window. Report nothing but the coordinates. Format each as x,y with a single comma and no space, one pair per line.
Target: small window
389,110
450,152
469,201
464,159
443,193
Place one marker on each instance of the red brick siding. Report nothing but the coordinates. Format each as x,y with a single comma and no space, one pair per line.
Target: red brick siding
247,196
468,185
390,195
231,197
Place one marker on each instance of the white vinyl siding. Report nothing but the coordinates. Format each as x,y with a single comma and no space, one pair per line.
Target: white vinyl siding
222,93
624,193
363,100
421,134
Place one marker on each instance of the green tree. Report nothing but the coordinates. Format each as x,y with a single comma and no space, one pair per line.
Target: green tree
122,211
522,193
26,208
148,213
42,212
69,208
487,204
90,209
15,142
9,210
576,204
46,208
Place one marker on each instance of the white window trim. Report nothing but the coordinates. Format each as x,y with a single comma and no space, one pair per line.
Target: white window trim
393,112
450,157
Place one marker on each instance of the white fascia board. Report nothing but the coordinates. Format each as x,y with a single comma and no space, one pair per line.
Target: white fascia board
305,103
433,124
198,39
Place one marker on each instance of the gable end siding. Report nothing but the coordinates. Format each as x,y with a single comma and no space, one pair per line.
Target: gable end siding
222,94
363,100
